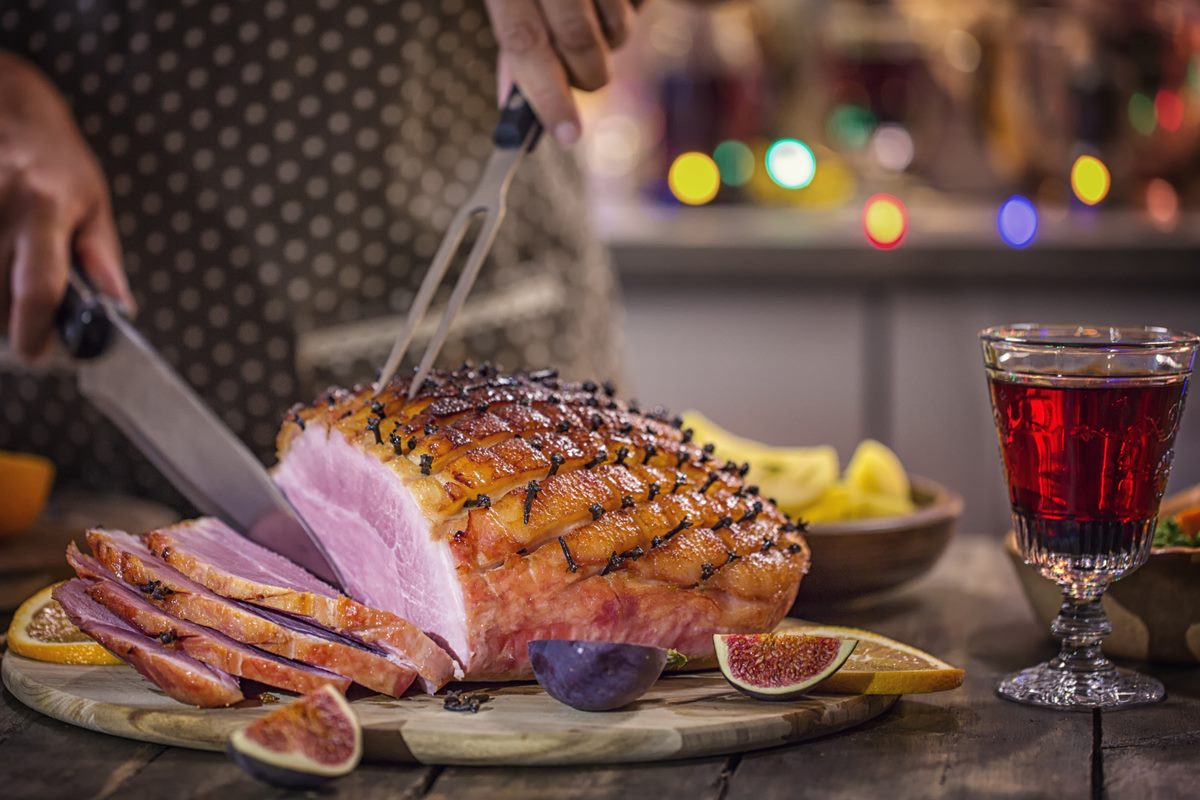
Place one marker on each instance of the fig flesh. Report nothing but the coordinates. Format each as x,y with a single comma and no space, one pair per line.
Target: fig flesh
595,676
302,745
779,666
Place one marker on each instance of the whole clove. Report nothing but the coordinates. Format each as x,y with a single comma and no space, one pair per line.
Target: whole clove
650,452
463,702
597,511
627,501
653,491
556,461
563,426
723,522
480,501
684,524
706,571
397,443
680,479
598,459
299,420
597,421
622,454
712,478
531,491
373,427
377,408
426,464
571,565
430,429
752,512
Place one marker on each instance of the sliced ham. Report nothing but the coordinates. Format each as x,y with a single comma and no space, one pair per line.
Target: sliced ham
203,644
491,510
128,558
180,676
214,555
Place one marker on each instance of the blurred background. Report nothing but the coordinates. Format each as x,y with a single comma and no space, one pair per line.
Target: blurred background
815,206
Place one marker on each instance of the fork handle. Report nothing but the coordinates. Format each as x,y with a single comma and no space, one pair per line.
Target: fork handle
518,125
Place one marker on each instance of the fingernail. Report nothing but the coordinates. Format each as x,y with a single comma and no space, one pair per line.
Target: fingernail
566,133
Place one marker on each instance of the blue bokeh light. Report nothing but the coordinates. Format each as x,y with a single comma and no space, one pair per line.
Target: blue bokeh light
1017,221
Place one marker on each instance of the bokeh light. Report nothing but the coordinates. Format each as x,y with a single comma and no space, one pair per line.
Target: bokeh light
694,178
1162,204
791,163
735,162
962,50
850,126
1017,221
885,220
892,147
1169,107
1142,115
1090,180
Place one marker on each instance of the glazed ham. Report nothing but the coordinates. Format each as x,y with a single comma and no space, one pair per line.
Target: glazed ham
215,556
179,675
128,558
203,644
492,510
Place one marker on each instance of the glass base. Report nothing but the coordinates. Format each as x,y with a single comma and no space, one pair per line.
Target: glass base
1052,686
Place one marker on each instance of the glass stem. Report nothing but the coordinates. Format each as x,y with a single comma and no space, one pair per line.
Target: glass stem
1081,624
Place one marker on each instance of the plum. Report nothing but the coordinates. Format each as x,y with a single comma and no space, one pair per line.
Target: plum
595,676
303,745
779,666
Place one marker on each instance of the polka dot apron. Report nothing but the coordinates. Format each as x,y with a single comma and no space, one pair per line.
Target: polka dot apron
281,176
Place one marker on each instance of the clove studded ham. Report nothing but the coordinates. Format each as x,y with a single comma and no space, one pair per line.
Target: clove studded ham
491,510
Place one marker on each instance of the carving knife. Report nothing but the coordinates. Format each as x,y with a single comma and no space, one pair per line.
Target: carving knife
123,376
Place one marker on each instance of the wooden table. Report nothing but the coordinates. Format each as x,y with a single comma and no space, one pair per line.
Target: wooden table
965,743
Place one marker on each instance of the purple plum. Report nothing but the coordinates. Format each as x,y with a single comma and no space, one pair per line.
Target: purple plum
595,676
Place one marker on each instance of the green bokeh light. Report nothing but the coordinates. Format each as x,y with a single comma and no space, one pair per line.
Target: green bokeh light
735,161
850,126
1142,115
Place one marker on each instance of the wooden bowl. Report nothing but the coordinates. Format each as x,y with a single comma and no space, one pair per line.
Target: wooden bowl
863,557
1155,611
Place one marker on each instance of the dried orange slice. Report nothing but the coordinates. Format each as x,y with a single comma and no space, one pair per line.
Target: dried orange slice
880,665
41,630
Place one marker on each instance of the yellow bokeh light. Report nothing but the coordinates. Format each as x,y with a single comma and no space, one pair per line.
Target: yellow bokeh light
1090,180
885,221
694,178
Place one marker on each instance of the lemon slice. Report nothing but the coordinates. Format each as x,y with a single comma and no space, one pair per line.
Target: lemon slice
41,630
794,476
880,665
874,469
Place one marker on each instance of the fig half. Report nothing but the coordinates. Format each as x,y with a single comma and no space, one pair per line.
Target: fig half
595,676
779,666
302,745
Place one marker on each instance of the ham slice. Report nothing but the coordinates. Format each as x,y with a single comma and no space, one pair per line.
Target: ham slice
491,510
128,558
182,677
217,557
203,644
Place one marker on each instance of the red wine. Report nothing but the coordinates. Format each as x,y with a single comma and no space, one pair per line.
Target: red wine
1087,461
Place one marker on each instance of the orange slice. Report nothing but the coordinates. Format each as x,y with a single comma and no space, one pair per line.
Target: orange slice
41,630
880,665
24,485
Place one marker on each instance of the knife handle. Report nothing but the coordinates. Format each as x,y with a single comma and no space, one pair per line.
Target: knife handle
517,121
81,319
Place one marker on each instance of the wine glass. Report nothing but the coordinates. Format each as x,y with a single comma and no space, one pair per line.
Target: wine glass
1086,416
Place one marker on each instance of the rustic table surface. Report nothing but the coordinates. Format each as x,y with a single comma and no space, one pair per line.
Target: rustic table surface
965,743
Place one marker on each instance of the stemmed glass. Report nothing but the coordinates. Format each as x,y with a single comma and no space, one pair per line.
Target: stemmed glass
1087,417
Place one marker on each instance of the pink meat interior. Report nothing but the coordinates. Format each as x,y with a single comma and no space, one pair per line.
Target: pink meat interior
376,534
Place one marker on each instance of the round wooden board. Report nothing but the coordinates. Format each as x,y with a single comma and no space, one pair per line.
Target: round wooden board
683,716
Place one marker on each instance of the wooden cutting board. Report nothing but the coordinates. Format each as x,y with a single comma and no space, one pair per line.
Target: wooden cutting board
683,716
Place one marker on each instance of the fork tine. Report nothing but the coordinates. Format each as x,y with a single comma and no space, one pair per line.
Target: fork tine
475,259
433,278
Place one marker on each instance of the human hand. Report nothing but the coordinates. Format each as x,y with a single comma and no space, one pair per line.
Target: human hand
549,46
53,202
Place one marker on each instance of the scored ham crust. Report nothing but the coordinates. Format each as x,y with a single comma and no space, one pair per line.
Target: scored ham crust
492,510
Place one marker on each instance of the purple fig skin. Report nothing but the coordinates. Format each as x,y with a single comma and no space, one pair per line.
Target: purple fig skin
595,676
282,777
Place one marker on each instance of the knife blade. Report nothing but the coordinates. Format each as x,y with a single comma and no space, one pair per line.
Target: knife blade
130,383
